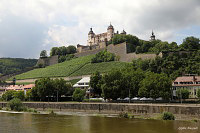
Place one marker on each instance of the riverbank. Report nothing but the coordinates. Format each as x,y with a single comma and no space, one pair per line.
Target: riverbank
142,110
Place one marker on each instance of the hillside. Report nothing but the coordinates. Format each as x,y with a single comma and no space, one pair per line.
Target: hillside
74,67
13,65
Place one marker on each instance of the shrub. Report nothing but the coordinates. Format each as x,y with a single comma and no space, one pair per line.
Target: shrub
8,95
15,104
103,56
168,116
78,94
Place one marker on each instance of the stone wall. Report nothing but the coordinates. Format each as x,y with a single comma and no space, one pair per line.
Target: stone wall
48,61
121,51
90,52
188,109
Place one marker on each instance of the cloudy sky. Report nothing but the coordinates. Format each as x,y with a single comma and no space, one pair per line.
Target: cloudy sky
29,26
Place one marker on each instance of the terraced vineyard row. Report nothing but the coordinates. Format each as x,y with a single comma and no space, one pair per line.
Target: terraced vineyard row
74,67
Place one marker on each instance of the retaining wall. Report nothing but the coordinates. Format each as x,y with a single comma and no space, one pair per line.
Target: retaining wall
116,107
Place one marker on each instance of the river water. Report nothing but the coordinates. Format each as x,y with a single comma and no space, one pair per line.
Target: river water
44,123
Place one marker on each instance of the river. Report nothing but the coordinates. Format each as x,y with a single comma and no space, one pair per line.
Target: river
44,123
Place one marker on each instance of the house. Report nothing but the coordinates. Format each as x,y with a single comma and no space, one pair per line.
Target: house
191,82
83,83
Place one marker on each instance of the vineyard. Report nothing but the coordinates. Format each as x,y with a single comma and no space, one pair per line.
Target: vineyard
74,67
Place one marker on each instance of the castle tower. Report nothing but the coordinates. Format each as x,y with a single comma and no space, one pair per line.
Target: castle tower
153,37
90,37
110,32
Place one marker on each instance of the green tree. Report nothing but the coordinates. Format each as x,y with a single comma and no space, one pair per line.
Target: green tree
198,93
112,85
20,95
183,93
71,49
191,43
103,56
15,104
44,87
43,54
61,88
54,51
78,94
155,85
8,95
96,82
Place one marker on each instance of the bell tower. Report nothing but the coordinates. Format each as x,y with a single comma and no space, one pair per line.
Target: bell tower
110,32
91,35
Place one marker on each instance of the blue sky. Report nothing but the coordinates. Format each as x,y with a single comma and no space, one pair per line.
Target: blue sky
29,26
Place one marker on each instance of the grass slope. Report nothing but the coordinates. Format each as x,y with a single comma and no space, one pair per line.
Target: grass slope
101,67
58,70
74,67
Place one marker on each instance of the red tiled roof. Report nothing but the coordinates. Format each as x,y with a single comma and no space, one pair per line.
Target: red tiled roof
187,79
29,86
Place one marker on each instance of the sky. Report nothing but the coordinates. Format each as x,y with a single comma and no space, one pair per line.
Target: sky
29,26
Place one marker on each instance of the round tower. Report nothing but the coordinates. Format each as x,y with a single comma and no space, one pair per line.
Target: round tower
110,32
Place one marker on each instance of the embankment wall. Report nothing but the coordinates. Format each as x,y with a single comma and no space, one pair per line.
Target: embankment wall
116,107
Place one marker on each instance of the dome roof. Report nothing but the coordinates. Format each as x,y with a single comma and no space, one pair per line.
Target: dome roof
110,27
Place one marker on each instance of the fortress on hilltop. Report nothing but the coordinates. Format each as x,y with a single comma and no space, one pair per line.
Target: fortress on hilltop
99,42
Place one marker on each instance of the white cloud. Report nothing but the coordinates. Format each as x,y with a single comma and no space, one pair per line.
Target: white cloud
68,21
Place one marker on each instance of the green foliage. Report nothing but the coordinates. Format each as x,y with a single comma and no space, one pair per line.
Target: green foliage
168,116
132,41
74,67
47,87
78,94
103,56
198,93
20,95
103,67
65,58
13,65
155,85
15,104
62,51
58,70
43,54
95,83
191,43
183,93
8,95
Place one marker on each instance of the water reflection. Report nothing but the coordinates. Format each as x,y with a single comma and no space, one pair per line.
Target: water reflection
40,123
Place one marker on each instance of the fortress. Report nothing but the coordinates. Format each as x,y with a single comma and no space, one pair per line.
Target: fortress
99,42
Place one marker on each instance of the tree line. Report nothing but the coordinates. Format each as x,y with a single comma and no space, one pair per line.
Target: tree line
64,53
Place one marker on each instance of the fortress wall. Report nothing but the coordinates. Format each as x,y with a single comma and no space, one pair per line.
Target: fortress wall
53,60
90,52
48,61
120,50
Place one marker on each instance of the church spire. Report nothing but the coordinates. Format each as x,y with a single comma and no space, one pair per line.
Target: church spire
153,37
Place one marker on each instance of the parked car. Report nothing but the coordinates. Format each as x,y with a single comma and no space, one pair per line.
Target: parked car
135,98
150,99
119,99
143,99
159,99
126,99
